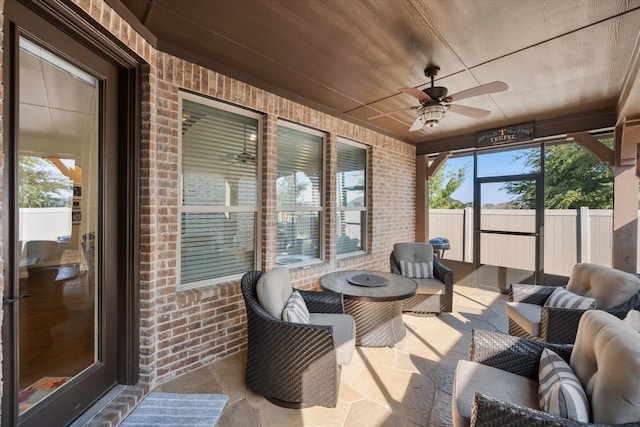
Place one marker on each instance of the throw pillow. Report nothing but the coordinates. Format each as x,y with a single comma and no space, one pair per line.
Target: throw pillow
295,310
559,389
633,319
562,298
417,270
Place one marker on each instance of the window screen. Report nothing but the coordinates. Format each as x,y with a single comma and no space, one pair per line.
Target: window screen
219,151
351,193
299,194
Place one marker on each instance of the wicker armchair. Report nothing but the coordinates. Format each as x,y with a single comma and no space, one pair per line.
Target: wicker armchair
293,365
498,385
433,295
615,291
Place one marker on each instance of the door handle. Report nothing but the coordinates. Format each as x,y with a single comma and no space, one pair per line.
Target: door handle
7,301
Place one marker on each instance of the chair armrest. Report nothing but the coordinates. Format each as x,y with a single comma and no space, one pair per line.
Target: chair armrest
323,302
559,325
442,273
531,294
517,355
393,263
490,412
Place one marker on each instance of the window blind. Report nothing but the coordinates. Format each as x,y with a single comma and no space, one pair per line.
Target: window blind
219,193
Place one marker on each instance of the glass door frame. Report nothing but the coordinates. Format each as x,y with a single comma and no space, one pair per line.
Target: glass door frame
121,191
538,233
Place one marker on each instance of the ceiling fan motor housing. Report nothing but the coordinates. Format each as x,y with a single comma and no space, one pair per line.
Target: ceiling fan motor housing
437,93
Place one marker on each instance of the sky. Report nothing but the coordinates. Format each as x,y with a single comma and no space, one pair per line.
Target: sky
490,164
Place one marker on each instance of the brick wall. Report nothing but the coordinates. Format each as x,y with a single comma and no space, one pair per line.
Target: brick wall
181,330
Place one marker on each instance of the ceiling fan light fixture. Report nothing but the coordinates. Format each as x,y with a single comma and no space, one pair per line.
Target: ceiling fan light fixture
430,115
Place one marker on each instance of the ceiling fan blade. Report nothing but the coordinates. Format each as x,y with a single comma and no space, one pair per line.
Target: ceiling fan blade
417,125
377,116
479,90
416,93
474,113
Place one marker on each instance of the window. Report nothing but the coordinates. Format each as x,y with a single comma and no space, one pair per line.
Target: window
299,194
351,203
219,172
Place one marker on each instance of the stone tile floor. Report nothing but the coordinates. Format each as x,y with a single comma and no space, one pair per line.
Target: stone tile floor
408,385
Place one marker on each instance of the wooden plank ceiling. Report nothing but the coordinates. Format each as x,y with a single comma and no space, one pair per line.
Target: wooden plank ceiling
350,57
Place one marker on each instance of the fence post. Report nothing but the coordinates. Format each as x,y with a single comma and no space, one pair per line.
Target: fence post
467,235
583,234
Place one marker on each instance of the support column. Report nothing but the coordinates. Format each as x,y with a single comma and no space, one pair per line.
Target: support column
625,212
422,199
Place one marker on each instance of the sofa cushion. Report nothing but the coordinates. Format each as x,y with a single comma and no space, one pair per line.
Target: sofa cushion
528,316
632,319
430,287
295,310
472,377
559,390
606,359
610,287
344,333
419,270
273,290
562,298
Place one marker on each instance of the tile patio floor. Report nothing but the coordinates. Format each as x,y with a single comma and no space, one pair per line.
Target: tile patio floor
408,385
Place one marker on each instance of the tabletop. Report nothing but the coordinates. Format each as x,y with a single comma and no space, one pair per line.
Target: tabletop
368,285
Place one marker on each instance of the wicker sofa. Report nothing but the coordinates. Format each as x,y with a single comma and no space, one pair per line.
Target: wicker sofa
295,365
434,295
498,385
615,291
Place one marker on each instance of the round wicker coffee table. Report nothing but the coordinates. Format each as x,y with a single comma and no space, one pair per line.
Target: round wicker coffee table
374,299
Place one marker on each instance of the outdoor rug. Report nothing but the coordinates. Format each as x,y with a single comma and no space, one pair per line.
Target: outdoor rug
177,409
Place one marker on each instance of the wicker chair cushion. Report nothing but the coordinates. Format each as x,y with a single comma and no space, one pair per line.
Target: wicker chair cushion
633,319
472,377
559,390
344,333
430,287
606,359
565,299
273,290
610,287
295,310
413,252
527,316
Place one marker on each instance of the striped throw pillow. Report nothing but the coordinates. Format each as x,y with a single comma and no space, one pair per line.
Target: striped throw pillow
295,310
559,389
417,270
562,298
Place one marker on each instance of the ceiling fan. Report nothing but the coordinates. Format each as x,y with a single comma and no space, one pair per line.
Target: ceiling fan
434,102
244,156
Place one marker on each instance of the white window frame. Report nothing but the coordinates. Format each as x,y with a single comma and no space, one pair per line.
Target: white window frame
365,208
322,208
203,100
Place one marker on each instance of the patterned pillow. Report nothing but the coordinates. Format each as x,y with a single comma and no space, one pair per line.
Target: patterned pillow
417,270
295,310
559,390
562,298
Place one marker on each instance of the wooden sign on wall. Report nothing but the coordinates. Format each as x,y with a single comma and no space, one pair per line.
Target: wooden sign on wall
505,135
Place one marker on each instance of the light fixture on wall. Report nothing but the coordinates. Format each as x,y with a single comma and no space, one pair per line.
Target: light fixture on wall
431,114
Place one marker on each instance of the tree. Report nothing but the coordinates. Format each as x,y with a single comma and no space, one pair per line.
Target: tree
574,178
41,186
443,184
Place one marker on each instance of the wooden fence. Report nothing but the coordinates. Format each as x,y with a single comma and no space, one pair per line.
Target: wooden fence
571,236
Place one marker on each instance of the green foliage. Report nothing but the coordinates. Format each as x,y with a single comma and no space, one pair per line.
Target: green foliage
42,185
443,184
574,178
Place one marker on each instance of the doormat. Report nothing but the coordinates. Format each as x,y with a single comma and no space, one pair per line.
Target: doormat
38,391
177,409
